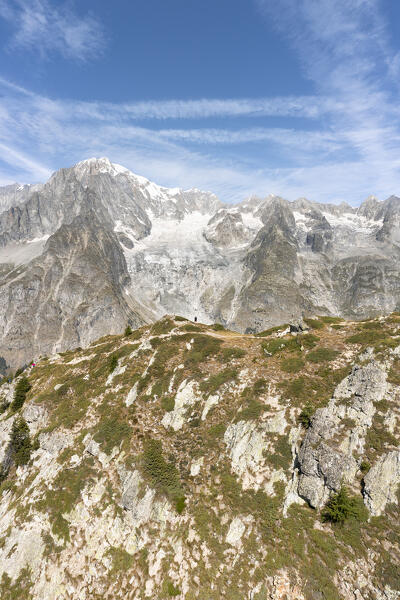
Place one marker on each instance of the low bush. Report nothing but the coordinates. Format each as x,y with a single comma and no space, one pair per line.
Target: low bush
179,318
228,354
217,327
308,340
203,347
365,467
378,438
330,320
251,411
322,355
162,327
211,385
277,345
273,346
292,364
121,559
170,589
366,337
111,432
168,403
260,386
281,455
272,330
341,506
306,415
128,331
190,327
314,323
163,475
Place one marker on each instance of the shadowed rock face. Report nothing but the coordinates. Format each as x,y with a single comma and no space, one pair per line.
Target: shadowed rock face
69,295
130,250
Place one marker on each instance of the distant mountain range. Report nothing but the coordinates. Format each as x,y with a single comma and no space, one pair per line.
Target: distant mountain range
97,247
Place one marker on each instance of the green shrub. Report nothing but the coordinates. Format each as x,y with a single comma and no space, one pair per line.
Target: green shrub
111,432
170,589
260,386
19,589
163,475
204,346
322,355
128,331
365,467
314,323
331,320
21,389
64,494
113,363
179,318
366,337
306,415
228,354
211,385
121,559
273,346
252,411
378,437
341,506
272,330
180,505
217,327
190,327
162,327
292,365
278,345
20,441
216,431
281,455
168,403
308,340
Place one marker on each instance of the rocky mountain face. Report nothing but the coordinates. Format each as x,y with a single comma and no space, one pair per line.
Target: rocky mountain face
97,245
14,194
188,461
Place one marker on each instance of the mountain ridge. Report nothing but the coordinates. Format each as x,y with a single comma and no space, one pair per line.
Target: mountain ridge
248,266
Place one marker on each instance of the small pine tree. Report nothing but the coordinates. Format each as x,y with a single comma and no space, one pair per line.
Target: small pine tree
306,415
20,441
21,389
113,363
342,506
128,331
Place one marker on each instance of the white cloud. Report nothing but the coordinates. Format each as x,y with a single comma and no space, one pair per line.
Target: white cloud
44,28
344,146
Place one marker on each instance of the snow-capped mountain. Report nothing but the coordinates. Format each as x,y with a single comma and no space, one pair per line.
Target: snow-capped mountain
97,246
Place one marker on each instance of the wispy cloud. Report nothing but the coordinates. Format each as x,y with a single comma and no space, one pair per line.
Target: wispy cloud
42,27
343,144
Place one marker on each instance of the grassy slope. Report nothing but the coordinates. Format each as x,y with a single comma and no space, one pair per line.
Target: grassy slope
246,372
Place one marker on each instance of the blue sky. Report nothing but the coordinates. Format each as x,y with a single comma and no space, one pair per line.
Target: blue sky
295,97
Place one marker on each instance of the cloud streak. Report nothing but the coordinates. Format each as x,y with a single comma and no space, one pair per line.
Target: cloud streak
43,28
343,144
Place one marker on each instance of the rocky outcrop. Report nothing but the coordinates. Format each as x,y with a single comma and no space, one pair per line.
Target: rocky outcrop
326,457
381,483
